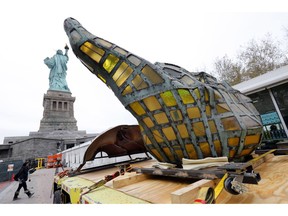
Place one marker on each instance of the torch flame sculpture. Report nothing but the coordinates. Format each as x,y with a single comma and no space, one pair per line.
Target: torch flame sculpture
181,114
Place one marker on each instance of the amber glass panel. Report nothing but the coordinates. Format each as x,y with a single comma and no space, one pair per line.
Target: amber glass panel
178,151
222,108
92,51
157,155
193,112
101,78
168,98
197,93
205,148
206,95
137,108
183,131
208,111
252,139
121,51
198,128
217,95
139,83
122,74
246,152
110,62
233,141
218,148
191,151
161,118
154,77
186,96
176,115
249,122
120,70
230,123
152,103
168,153
103,42
127,90
148,122
212,126
157,136
232,153
169,133
133,59
146,139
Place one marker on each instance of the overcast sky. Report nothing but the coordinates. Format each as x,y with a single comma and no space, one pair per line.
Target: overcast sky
190,35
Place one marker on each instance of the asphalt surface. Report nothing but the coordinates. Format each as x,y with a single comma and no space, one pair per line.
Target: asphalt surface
41,185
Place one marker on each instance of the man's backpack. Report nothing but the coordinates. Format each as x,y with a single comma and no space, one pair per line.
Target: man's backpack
16,177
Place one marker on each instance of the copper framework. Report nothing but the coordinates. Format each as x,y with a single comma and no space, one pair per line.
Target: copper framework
181,114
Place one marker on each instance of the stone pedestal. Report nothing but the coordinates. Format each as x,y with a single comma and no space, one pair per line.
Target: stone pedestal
58,112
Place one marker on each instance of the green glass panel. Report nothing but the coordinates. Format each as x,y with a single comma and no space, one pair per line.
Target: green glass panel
110,62
168,98
185,96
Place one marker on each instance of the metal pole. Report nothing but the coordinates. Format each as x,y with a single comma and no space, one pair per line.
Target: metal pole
278,111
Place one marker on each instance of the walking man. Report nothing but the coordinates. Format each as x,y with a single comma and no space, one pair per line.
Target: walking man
22,177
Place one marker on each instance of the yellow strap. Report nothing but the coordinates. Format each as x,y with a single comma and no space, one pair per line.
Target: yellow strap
261,156
220,186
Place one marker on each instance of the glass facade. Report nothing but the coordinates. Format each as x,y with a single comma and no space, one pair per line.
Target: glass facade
280,94
272,124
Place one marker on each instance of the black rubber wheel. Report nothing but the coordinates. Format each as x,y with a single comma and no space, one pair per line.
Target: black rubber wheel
228,186
57,197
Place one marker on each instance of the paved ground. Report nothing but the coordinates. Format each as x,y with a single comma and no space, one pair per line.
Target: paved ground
41,184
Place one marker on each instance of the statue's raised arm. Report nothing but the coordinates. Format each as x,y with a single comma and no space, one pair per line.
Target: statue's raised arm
58,67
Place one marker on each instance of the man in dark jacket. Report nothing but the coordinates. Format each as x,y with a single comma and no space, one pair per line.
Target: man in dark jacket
22,177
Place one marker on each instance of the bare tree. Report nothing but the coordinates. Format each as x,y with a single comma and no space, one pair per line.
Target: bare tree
227,70
257,58
261,57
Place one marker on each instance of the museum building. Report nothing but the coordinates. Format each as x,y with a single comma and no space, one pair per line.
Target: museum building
269,93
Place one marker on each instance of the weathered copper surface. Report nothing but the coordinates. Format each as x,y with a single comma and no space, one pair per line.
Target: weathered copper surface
118,141
181,114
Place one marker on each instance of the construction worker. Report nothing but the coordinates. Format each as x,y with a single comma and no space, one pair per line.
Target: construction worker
22,177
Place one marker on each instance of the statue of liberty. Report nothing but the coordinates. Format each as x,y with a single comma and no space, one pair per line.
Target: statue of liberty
58,68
